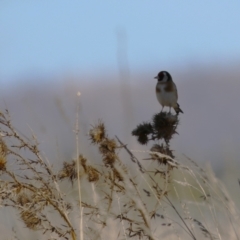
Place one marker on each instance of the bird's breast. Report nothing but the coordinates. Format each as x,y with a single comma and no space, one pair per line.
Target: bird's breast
165,98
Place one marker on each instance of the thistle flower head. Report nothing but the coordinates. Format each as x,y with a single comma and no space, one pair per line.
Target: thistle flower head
97,133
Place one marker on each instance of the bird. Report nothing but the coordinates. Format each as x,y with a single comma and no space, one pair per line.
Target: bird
166,92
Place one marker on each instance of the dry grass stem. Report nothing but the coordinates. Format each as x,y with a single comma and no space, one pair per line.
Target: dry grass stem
122,196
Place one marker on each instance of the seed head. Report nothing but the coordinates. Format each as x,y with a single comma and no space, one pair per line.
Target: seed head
107,146
30,219
93,174
97,133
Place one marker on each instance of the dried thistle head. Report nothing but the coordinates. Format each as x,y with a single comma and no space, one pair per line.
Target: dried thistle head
23,199
109,159
3,154
164,126
30,219
3,148
93,174
107,146
83,162
3,162
142,131
68,171
97,133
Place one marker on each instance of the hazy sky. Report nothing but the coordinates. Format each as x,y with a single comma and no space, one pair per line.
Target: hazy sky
55,36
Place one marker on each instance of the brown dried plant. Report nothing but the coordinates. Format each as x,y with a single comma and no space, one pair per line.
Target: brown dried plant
119,199
35,192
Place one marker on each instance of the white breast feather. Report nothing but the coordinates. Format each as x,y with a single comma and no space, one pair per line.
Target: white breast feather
168,99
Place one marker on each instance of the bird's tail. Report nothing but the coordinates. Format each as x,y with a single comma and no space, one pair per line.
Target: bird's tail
178,109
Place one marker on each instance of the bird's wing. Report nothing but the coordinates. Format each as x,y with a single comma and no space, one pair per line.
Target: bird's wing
175,90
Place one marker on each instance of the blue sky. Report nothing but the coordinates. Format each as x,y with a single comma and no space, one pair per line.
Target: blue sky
55,36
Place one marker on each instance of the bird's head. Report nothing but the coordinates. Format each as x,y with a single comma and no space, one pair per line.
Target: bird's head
163,77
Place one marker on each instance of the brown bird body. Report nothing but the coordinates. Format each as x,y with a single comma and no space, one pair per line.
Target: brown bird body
166,92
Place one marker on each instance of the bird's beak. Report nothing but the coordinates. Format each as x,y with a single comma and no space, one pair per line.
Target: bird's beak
156,77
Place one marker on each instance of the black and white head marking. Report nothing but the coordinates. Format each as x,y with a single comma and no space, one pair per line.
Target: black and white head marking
163,77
